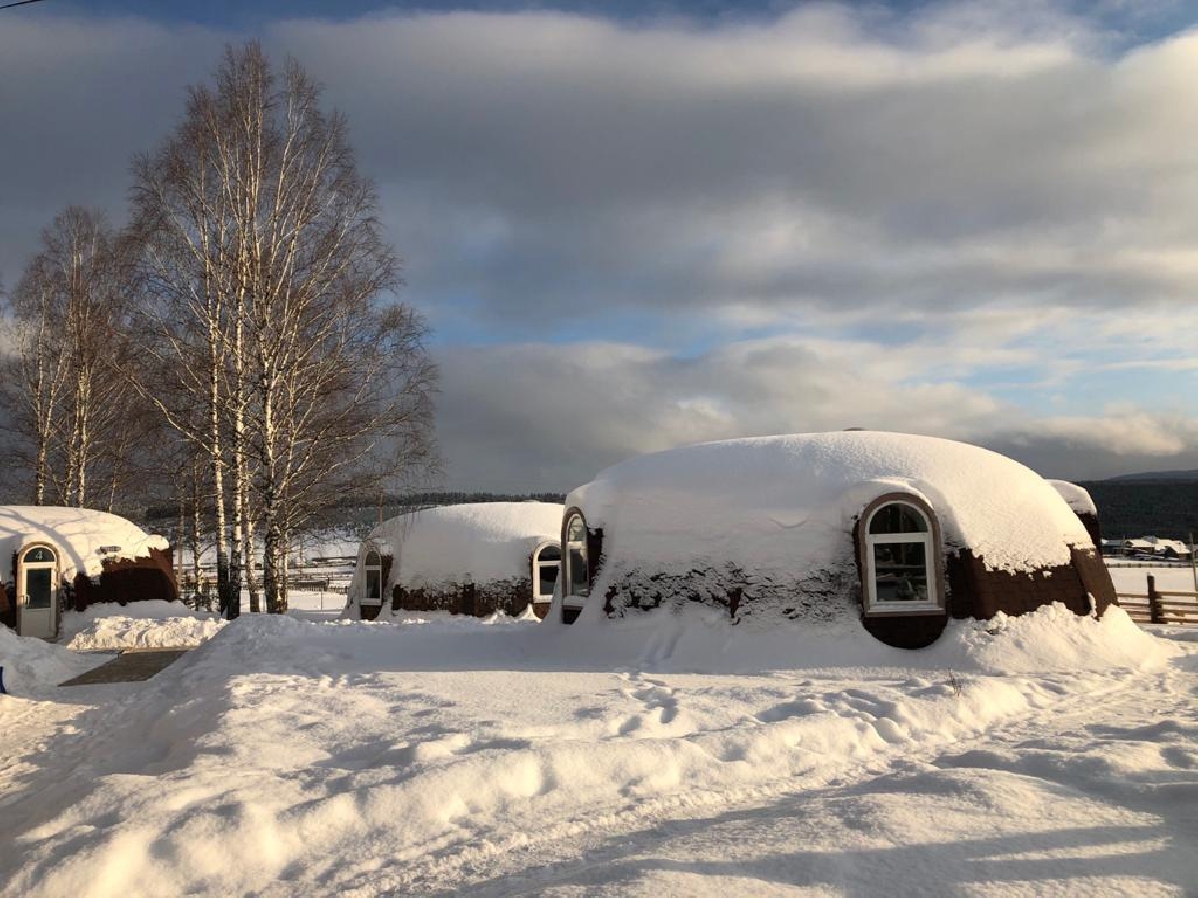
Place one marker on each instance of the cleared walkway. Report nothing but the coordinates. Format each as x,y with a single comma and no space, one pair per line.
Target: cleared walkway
129,666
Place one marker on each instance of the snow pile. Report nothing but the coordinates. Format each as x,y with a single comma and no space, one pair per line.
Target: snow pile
33,668
483,541
1052,638
789,503
83,538
1077,497
695,638
118,632
377,759
74,622
150,624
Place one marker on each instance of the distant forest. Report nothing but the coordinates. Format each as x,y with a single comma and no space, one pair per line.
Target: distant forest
1131,508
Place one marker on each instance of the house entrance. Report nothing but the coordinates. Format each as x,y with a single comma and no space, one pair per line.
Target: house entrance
37,610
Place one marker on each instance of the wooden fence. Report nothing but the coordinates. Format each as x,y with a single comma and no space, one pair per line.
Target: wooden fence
1159,606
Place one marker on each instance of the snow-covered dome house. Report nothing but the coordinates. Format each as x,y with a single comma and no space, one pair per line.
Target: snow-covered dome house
63,558
477,559
904,531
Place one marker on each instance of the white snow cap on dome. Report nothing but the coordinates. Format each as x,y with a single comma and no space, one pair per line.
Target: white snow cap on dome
83,538
487,540
789,503
1077,497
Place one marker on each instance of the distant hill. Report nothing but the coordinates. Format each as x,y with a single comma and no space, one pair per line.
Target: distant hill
1135,506
1155,476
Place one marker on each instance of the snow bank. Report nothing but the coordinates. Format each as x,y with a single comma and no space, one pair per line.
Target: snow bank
378,759
84,538
33,668
74,622
485,541
786,504
1078,498
1051,638
117,632
695,638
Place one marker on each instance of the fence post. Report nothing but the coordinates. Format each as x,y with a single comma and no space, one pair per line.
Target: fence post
1154,602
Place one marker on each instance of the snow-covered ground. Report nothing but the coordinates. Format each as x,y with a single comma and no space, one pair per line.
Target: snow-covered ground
1135,580
665,754
112,627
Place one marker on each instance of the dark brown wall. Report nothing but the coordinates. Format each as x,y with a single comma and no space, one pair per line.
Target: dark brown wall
972,591
906,632
8,608
981,593
128,580
478,599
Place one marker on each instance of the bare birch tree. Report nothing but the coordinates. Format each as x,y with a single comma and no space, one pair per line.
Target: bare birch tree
272,285
64,385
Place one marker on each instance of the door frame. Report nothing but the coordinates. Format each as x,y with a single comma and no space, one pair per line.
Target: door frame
55,584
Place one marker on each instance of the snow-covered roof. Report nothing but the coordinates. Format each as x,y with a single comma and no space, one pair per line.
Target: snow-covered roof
83,537
1156,544
485,540
1077,497
787,504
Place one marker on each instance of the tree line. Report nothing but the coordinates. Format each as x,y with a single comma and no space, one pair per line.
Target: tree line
238,346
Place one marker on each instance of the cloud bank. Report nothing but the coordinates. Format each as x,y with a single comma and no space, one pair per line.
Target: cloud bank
974,220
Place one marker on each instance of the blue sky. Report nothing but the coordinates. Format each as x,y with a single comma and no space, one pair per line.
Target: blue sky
636,225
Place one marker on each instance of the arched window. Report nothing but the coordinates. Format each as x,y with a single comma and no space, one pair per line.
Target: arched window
374,579
546,565
577,581
900,558
39,555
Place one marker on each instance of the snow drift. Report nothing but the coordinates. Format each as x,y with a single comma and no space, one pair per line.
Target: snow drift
368,759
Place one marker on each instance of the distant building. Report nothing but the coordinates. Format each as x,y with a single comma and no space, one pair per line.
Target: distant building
1156,547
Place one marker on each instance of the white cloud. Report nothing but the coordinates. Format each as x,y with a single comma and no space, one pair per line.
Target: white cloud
959,217
550,416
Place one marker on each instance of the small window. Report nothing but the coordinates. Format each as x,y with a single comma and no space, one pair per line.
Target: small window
374,579
897,518
900,560
578,581
546,565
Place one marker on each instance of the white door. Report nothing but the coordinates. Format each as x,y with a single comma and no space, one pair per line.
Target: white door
37,610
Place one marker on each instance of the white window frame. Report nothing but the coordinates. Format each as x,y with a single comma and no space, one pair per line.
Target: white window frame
566,576
931,550
20,598
367,567
538,597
